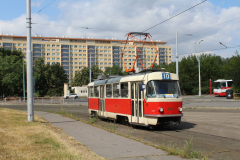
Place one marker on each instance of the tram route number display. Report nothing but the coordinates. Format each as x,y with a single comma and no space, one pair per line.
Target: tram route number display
166,76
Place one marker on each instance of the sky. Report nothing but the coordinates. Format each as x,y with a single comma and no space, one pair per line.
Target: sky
212,21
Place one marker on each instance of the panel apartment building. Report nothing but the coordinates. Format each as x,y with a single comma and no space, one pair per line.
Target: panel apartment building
75,53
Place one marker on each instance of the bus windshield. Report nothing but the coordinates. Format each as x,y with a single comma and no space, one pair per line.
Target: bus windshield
163,89
217,85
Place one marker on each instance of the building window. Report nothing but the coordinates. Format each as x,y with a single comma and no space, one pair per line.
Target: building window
48,45
53,45
53,54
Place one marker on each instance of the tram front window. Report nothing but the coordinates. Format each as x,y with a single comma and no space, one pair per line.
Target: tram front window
164,88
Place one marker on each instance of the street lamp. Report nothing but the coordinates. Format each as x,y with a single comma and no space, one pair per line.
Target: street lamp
199,69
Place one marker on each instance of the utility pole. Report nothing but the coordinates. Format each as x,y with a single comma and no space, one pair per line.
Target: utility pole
23,82
90,74
199,76
29,65
177,52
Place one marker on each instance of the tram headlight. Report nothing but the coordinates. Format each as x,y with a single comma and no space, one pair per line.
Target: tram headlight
180,109
160,109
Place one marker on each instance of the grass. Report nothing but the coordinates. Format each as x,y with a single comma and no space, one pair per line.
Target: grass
20,139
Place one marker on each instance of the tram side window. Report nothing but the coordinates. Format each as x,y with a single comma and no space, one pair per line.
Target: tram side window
116,90
150,89
124,89
108,90
90,91
96,91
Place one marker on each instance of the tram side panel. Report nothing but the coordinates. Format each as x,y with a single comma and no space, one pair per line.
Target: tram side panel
94,103
117,106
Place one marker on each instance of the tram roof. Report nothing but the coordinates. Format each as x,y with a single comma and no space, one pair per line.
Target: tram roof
136,77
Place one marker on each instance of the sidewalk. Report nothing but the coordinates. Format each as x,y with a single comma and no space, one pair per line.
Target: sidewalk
103,143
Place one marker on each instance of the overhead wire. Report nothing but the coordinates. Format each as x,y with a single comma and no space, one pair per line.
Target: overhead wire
207,51
175,16
191,34
44,7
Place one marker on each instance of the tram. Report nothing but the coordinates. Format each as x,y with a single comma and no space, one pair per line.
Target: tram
148,98
221,85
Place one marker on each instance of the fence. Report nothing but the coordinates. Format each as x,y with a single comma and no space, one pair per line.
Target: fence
39,100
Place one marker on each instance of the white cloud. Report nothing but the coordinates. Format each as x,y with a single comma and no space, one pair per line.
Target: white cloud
37,3
114,19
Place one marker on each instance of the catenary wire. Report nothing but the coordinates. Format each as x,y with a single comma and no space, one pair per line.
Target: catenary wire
174,16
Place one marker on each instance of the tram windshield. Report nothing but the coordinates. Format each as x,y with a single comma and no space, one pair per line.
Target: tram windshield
163,89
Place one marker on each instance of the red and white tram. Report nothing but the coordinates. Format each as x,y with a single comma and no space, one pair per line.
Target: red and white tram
147,98
220,87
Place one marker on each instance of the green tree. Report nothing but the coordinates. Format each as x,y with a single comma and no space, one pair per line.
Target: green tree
11,72
57,79
81,77
41,76
232,69
114,70
49,80
188,75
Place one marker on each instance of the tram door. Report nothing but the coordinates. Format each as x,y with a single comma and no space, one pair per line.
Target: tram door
136,103
102,101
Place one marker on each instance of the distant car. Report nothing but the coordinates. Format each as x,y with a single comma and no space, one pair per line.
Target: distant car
71,95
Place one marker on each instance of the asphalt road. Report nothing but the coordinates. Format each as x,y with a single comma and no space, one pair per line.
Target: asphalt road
214,131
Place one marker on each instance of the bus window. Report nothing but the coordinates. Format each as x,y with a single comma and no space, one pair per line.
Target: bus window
124,89
223,84
217,85
150,89
90,91
116,90
108,90
96,91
